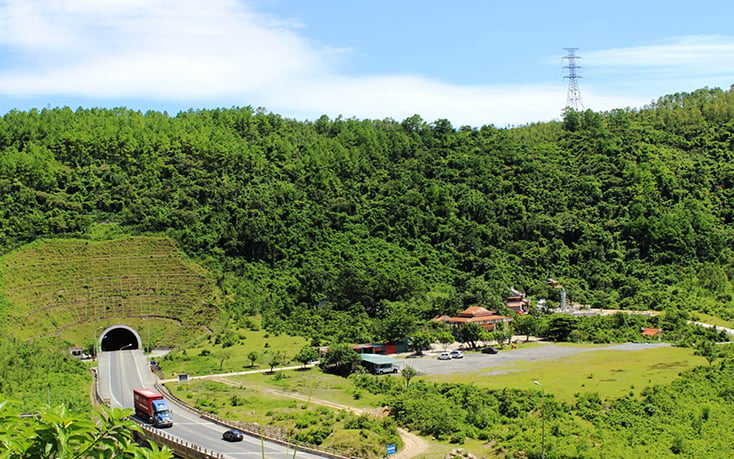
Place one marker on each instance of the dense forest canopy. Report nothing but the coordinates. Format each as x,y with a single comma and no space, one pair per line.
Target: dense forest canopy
350,220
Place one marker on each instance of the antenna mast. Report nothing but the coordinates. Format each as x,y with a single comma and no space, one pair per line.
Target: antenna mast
573,97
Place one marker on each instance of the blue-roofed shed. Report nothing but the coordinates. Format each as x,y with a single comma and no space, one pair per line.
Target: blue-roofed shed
380,364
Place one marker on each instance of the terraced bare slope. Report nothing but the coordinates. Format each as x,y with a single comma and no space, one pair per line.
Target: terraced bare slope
54,284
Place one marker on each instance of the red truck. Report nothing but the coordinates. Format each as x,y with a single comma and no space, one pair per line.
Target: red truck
151,407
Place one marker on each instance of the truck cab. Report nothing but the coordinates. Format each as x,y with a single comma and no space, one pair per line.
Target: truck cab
161,414
150,406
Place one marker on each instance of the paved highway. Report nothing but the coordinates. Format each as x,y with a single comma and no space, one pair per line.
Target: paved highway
119,372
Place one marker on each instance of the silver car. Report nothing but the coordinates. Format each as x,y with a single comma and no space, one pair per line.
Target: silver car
456,354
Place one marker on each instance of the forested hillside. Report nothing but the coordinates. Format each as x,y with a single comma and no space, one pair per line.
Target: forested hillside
349,219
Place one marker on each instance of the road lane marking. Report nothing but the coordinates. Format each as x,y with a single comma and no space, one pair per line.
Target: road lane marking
137,367
112,393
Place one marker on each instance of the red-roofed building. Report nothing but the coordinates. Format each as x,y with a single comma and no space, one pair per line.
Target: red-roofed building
517,302
651,332
478,315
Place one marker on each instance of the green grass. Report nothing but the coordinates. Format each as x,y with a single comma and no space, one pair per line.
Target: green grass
232,402
265,392
244,400
76,288
713,320
312,383
203,356
63,286
610,373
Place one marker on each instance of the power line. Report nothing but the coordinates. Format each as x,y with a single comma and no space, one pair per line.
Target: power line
573,97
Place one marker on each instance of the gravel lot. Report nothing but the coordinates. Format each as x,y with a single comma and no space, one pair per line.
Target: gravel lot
473,361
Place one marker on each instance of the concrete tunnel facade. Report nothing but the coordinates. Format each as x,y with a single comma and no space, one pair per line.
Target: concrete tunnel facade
120,338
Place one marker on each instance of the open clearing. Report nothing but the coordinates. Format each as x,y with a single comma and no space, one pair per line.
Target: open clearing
565,369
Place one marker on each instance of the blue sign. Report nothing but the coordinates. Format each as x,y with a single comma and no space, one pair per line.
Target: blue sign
391,449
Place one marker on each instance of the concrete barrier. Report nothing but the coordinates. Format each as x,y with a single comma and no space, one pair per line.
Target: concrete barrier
180,448
270,433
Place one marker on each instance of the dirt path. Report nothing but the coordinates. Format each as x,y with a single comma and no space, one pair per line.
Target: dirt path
413,445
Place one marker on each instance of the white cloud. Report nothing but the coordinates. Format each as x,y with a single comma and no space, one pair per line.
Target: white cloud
193,51
163,48
402,96
224,53
686,51
679,64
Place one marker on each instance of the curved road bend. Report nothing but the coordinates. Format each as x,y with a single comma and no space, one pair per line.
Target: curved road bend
119,372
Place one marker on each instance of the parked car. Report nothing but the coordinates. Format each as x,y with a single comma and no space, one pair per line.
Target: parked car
385,368
489,350
456,354
444,356
233,435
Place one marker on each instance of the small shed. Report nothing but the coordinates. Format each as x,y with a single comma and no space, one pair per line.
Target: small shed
379,364
369,348
77,351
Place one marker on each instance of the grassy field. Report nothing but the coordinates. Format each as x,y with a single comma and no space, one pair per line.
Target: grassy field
70,287
284,398
713,320
288,399
610,373
280,390
203,355
74,289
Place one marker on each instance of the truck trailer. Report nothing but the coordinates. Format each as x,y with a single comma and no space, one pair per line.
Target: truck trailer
151,407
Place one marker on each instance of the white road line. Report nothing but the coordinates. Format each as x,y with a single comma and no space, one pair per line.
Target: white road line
112,394
137,368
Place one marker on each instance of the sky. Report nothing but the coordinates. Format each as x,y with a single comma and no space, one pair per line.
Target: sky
472,62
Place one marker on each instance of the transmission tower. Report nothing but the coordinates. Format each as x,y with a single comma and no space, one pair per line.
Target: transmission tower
573,97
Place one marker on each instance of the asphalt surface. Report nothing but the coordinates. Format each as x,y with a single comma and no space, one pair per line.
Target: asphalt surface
429,364
119,372
123,370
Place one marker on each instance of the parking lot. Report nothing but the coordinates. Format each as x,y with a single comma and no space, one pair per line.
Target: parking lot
429,363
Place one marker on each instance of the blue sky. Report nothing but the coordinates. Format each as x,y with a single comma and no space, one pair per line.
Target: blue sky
473,62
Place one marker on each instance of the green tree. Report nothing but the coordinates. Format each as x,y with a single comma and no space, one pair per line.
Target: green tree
709,350
252,357
224,354
55,433
408,373
397,324
340,359
306,354
527,325
560,327
445,337
502,337
274,359
421,341
469,333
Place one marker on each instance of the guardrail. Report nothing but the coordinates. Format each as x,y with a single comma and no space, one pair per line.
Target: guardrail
179,447
270,433
187,450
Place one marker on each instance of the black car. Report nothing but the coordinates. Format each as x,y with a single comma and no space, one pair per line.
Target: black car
489,350
233,435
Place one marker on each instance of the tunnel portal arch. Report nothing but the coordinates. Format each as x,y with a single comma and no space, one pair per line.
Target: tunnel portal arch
119,338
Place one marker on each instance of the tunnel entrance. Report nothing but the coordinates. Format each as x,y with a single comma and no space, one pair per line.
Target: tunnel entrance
119,338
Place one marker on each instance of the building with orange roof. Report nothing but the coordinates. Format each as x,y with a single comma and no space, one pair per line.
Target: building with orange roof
476,314
651,331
